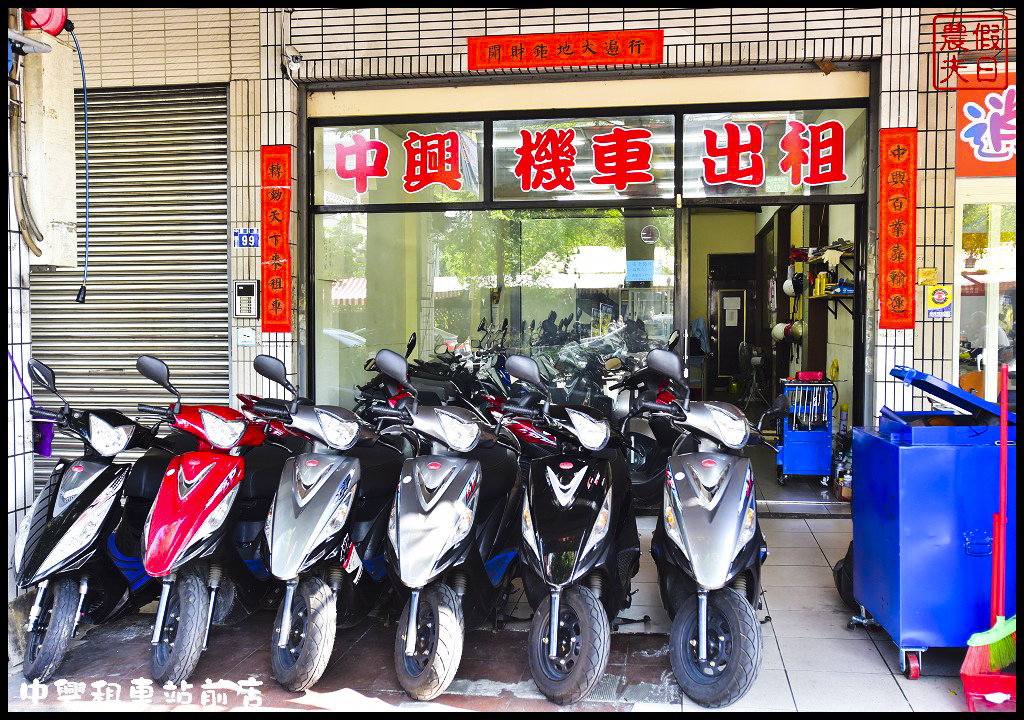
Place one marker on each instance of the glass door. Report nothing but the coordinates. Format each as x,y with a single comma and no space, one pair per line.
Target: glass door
985,297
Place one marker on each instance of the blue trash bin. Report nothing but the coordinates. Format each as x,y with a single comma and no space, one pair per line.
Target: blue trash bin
926,488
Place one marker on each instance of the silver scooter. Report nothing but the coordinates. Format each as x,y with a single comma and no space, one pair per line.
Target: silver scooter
325,531
707,545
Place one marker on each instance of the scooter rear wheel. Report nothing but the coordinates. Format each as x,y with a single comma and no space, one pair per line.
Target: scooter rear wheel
175,657
440,631
734,649
48,642
299,664
584,643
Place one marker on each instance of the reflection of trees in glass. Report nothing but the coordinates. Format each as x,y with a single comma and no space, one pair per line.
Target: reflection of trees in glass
342,248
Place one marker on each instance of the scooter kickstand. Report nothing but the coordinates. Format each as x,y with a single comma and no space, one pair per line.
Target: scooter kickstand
620,621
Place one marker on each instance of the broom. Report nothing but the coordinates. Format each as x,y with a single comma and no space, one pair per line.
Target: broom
996,648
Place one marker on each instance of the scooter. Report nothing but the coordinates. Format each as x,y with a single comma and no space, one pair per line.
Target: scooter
580,546
201,538
707,545
453,531
326,530
77,544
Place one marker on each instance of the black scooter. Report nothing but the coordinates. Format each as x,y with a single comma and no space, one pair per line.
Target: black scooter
580,546
77,545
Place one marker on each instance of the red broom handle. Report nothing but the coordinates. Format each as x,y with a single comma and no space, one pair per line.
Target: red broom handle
999,531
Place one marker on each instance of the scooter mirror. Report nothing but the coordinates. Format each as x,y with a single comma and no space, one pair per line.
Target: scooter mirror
482,325
395,367
273,369
504,325
673,340
411,345
533,324
526,369
42,375
666,363
155,369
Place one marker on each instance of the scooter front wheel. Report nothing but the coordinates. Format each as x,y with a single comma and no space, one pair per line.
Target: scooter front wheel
584,643
176,655
314,617
48,642
734,648
440,631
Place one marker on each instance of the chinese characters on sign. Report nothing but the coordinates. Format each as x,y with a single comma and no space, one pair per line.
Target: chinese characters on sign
986,130
615,47
897,228
969,45
276,202
811,154
144,691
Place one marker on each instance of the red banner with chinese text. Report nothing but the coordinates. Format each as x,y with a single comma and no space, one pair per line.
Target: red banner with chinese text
275,214
612,47
897,229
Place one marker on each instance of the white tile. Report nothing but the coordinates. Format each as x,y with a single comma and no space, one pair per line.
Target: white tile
815,624
771,656
846,692
833,540
805,598
830,525
646,522
795,575
784,525
795,556
934,694
789,539
825,655
769,692
834,555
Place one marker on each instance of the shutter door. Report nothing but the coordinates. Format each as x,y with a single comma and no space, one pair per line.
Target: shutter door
158,257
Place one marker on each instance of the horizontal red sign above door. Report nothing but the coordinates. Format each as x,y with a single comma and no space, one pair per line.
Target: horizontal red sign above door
611,47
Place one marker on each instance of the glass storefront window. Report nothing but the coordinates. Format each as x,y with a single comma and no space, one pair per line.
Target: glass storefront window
986,290
567,281
797,152
599,158
397,163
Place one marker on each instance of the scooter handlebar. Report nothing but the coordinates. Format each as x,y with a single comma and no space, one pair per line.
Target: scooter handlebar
43,413
272,409
509,409
155,410
399,414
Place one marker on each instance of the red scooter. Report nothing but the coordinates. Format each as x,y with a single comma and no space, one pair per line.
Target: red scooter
202,537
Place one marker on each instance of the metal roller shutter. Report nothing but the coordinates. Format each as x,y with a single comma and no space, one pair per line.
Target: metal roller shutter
158,256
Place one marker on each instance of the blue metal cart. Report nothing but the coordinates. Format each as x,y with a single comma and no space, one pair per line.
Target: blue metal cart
927,486
805,436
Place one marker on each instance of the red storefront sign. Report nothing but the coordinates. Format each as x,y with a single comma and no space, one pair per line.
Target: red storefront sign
966,44
276,203
897,229
986,129
612,47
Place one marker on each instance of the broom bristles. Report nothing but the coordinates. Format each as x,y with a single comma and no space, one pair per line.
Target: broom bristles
1003,653
977,661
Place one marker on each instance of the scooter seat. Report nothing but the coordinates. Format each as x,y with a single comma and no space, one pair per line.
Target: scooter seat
380,466
499,467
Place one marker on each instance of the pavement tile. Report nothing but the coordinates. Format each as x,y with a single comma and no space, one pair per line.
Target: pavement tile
796,556
779,539
647,593
834,555
835,540
805,598
784,525
651,684
816,691
646,650
934,694
796,576
825,655
830,525
815,624
769,692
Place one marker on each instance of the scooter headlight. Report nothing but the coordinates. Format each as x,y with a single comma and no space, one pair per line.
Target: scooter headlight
393,524
107,439
343,498
465,508
733,430
220,432
593,434
340,434
600,525
670,516
529,534
462,435
85,528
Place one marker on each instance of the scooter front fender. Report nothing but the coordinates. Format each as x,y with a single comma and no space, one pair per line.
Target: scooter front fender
711,492
195,486
314,488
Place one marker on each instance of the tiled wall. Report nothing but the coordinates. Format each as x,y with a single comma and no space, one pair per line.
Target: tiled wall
19,344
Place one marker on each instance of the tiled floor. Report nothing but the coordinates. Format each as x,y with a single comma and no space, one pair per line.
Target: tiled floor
811,662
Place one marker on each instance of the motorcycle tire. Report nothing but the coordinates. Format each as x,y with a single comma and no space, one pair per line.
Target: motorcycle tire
48,643
299,665
439,639
734,635
175,657
584,646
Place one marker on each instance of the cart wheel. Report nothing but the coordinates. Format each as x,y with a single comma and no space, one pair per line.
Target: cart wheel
851,625
782,479
912,666
824,480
